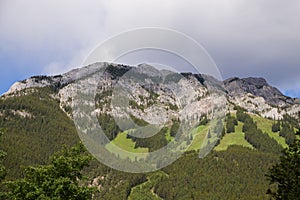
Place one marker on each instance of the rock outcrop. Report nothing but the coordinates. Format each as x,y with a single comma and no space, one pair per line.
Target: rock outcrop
164,92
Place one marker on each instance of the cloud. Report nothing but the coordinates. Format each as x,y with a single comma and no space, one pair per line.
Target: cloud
54,68
56,23
245,38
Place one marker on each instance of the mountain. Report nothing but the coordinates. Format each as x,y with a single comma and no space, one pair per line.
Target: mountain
38,116
253,94
257,96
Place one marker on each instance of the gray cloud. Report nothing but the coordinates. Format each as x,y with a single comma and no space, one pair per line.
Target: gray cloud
245,38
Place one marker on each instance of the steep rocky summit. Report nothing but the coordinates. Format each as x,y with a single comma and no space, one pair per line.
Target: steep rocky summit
257,87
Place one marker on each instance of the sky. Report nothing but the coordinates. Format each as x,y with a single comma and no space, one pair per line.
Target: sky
259,38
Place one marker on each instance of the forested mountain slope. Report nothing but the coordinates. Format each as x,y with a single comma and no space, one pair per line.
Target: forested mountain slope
36,115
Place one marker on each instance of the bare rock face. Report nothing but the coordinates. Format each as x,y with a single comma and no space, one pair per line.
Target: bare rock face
157,95
58,81
257,87
257,96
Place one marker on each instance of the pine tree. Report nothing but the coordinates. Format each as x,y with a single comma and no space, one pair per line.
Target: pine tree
286,174
2,168
276,127
231,122
208,134
241,115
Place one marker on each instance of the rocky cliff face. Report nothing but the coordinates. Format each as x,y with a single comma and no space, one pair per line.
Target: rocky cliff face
156,96
257,87
159,95
257,96
58,81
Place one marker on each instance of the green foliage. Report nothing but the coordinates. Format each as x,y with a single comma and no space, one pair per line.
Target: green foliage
286,174
154,142
152,99
295,122
240,114
230,127
109,126
208,134
115,185
237,173
276,127
174,128
258,139
138,121
144,191
236,138
249,124
125,143
173,106
31,139
2,155
266,126
231,122
223,132
103,99
288,133
204,121
133,104
2,168
60,180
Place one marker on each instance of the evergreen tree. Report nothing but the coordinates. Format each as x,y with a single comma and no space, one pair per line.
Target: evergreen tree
258,139
209,134
174,128
223,132
231,122
249,124
240,114
276,127
288,133
286,174
230,126
2,168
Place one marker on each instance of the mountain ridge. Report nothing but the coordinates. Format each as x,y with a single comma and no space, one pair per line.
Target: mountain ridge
253,94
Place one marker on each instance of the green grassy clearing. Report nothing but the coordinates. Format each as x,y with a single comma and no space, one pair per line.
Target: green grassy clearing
199,138
236,138
266,126
199,135
122,145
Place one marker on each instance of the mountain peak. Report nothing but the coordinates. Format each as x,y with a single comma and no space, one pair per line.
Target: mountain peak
258,82
257,87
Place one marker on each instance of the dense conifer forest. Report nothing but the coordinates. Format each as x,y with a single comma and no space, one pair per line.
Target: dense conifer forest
34,127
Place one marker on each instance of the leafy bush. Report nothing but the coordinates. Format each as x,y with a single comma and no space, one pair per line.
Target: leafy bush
60,180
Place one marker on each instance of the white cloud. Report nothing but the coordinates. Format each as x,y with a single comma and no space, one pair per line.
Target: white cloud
54,68
35,23
244,37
